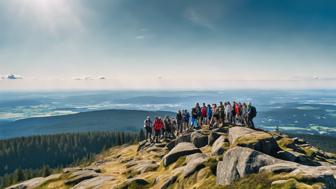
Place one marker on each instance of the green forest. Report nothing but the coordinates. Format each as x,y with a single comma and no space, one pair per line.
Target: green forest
28,157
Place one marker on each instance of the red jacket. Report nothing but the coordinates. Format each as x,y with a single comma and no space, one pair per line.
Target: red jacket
204,111
237,109
158,125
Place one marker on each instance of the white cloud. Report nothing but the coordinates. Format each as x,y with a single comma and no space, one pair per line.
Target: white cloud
140,37
12,77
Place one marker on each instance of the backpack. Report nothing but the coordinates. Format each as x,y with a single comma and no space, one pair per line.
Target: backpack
253,112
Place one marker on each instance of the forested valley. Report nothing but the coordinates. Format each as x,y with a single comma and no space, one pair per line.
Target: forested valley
28,157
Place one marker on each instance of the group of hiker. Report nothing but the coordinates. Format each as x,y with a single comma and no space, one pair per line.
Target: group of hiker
213,115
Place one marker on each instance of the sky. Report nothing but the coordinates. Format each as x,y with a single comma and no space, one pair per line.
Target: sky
175,44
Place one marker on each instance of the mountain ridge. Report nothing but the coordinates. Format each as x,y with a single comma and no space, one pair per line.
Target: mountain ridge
225,157
100,120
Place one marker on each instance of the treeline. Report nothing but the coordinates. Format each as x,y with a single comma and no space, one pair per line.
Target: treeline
31,155
326,143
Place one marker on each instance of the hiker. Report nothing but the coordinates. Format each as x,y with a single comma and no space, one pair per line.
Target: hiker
204,114
179,122
194,118
233,116
173,124
252,113
148,128
167,127
186,119
209,114
237,113
228,112
198,113
244,114
221,112
215,115
158,125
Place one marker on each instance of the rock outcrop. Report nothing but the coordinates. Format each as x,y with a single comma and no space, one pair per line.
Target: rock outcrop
199,139
239,162
78,176
257,140
96,182
181,149
225,157
35,182
218,146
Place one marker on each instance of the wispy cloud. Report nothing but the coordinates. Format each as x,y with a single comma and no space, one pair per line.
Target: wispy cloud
89,78
197,18
140,37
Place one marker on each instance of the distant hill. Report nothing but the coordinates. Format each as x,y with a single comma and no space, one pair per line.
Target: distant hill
104,120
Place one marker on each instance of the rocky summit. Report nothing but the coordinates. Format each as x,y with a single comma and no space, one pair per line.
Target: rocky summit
226,157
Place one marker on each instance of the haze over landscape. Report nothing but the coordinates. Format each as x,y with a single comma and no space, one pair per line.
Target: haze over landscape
164,94
79,44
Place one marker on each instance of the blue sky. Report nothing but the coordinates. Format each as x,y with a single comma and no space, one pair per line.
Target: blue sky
156,44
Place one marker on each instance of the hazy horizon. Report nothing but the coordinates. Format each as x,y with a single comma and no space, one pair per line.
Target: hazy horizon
171,45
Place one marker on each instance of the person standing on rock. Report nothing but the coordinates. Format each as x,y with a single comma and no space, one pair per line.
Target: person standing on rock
166,123
194,118
252,113
244,114
186,119
198,113
179,121
215,114
204,114
237,113
228,112
148,128
233,116
209,114
158,125
221,113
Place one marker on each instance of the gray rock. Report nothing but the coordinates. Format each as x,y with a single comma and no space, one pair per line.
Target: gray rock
181,149
257,140
132,182
239,162
296,157
280,168
94,183
195,156
35,182
213,136
218,146
194,163
143,144
236,132
171,180
160,145
183,138
199,140
71,169
79,176
221,129
285,155
153,149
143,167
323,174
171,144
